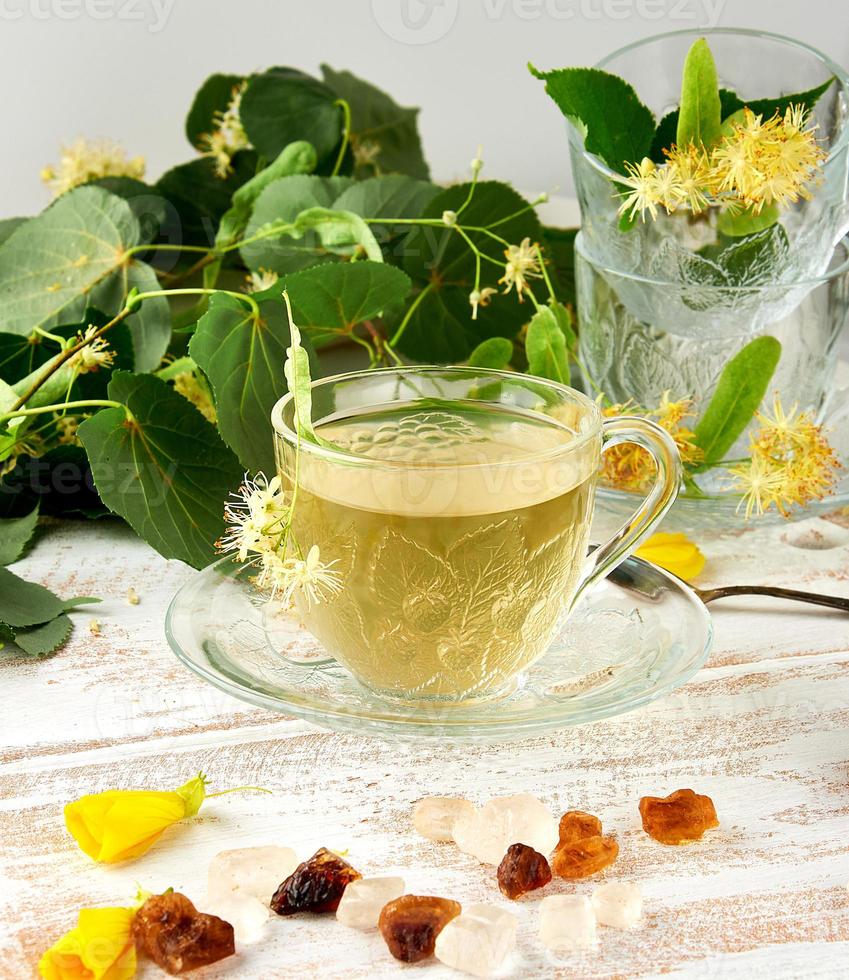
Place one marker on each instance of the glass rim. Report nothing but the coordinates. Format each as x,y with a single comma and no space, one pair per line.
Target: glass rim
809,281
838,72
337,455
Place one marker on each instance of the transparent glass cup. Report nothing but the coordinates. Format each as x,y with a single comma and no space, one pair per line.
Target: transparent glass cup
454,507
641,338
755,65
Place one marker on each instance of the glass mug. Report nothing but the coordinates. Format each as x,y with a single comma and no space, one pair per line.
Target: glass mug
454,504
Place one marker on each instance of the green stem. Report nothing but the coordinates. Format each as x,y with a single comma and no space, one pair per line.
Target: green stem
61,341
66,355
544,272
61,406
346,135
237,789
193,291
136,249
402,326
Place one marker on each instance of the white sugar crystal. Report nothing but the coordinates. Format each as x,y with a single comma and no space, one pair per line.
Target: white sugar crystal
434,816
566,922
245,913
618,904
363,899
250,871
519,819
478,941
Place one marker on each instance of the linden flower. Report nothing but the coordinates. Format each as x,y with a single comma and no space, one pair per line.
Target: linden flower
522,264
66,427
791,463
256,517
690,179
99,947
674,552
480,297
122,824
314,579
769,162
261,280
645,194
95,355
186,384
630,467
88,160
229,135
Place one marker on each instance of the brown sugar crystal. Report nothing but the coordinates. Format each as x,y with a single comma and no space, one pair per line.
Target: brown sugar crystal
575,825
315,885
678,818
584,857
411,923
178,938
522,870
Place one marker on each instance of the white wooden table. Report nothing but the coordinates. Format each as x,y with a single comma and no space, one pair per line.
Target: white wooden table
763,729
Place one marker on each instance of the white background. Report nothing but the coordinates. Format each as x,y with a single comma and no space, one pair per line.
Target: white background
127,69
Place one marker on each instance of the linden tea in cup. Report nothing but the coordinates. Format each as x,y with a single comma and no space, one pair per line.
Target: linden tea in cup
455,505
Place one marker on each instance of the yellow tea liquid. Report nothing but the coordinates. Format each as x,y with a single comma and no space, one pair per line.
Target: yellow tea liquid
459,543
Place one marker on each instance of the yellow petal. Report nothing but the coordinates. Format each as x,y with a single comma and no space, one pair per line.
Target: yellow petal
99,948
122,824
674,552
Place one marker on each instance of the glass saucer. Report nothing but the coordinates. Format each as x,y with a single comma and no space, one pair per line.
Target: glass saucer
631,641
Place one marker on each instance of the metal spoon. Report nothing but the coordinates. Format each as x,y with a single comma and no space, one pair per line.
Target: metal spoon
625,577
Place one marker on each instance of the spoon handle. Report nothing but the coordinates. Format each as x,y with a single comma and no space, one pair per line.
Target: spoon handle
832,601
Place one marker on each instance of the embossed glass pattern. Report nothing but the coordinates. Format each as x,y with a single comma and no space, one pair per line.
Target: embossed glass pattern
455,506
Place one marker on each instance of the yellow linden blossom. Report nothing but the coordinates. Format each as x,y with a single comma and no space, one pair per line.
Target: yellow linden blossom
769,162
630,467
186,384
644,192
522,264
87,160
95,355
100,947
791,463
674,552
229,135
760,162
121,824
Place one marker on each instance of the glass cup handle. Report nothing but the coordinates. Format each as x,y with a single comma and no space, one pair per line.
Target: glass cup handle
658,442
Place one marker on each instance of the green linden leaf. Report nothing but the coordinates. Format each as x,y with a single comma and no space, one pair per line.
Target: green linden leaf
71,256
329,300
242,357
43,640
211,98
615,124
545,347
283,105
8,225
747,222
699,113
15,533
164,469
200,197
20,354
441,328
393,196
739,391
26,603
384,136
149,207
560,256
495,352
296,158
280,204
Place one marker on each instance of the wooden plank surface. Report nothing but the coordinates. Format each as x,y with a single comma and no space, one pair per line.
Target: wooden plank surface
763,729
